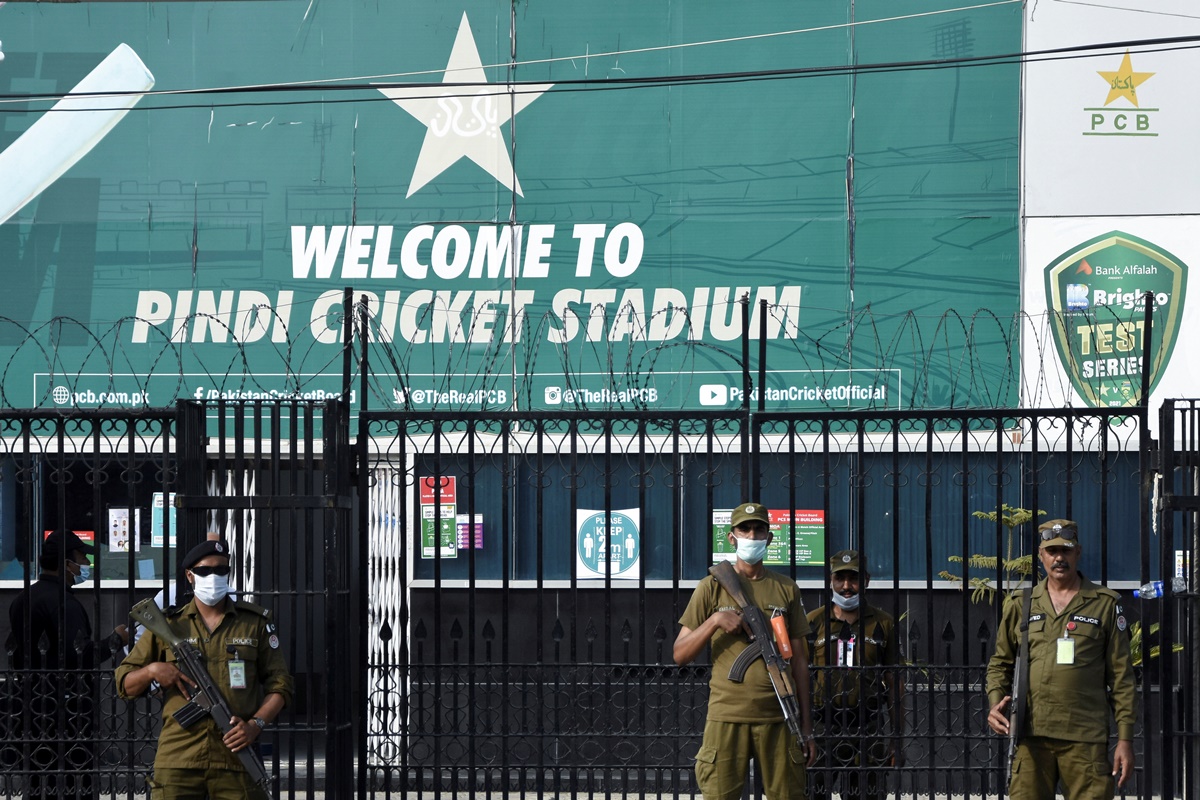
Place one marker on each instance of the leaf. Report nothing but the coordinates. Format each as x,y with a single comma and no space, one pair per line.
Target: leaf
984,589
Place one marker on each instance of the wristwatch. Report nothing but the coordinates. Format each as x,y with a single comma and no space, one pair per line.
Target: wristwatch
260,722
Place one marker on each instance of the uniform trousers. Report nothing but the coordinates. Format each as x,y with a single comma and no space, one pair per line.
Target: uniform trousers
723,760
204,784
1041,762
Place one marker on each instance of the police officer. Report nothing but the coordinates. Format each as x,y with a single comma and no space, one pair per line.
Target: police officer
60,682
241,648
854,642
1079,669
745,719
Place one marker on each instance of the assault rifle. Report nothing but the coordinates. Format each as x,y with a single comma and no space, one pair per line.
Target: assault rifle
1020,684
762,645
206,699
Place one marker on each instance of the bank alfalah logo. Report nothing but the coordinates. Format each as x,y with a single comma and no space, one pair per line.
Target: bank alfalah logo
1122,113
465,121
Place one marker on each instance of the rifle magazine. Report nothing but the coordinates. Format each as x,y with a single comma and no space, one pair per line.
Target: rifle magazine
188,715
737,672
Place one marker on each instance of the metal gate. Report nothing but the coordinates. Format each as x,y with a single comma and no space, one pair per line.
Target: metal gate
146,486
497,661
1177,615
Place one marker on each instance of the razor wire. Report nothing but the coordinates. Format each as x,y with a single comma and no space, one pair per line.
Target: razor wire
960,359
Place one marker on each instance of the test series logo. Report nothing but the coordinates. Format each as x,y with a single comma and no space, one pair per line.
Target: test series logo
1121,120
1097,294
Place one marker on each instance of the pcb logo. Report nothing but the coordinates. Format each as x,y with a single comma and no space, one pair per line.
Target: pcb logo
1096,295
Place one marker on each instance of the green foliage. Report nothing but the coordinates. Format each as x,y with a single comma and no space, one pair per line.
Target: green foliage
1135,643
984,589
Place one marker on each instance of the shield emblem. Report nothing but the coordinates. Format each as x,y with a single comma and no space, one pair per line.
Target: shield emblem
1096,296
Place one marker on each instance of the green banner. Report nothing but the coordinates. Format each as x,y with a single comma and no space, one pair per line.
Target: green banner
551,205
807,539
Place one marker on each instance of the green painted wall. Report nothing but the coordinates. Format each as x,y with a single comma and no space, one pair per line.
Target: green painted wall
724,186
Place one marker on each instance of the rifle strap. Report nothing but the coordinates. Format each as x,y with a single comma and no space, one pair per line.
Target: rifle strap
1021,690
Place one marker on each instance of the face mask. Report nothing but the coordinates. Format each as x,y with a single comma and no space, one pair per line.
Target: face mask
846,603
751,550
85,573
211,589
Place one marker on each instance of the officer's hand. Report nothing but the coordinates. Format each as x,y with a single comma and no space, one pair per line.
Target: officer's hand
168,676
896,756
811,747
1122,762
728,621
997,718
241,735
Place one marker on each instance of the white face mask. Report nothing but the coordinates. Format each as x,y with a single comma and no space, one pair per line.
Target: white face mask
751,550
210,589
846,603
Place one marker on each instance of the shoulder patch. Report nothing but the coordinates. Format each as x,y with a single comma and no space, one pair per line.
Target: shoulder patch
245,605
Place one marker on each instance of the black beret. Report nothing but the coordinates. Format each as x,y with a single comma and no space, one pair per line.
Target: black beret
206,548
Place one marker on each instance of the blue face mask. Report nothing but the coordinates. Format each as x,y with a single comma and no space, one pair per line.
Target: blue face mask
850,603
751,551
85,573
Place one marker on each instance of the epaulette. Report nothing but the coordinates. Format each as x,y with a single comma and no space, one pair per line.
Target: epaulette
1107,592
246,605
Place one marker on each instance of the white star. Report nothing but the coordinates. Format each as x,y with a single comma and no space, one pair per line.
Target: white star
465,124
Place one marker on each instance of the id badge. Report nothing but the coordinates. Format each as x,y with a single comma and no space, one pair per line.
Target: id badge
237,673
1066,650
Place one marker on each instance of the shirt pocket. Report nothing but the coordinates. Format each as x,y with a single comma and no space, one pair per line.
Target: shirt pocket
1089,644
249,657
1037,639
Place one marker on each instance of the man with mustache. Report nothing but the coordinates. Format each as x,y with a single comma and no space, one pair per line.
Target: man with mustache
1079,668
852,646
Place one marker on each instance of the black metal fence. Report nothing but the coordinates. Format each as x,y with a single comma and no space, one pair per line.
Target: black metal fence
452,630
507,664
144,487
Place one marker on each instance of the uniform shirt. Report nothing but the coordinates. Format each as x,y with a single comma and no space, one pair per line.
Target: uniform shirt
248,629
754,699
1069,701
839,646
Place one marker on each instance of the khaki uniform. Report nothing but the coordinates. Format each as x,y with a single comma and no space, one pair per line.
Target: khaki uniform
850,698
246,628
1066,720
744,719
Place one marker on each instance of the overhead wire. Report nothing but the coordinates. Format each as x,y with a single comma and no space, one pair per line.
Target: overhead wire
514,64
1161,44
